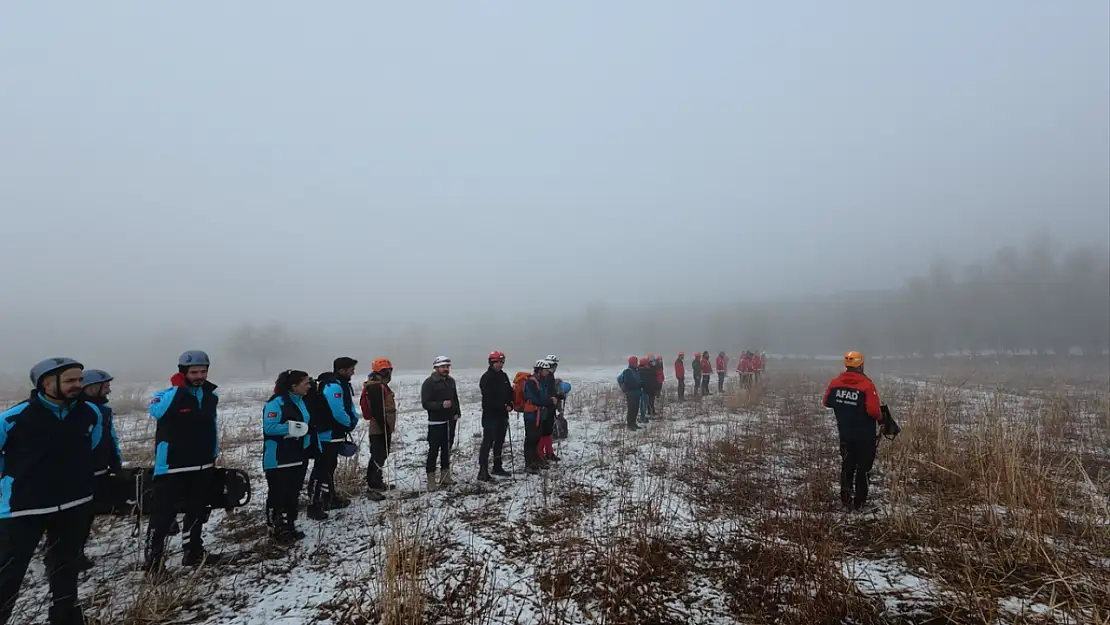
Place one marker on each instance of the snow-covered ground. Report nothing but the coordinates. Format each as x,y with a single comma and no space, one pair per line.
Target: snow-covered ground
664,525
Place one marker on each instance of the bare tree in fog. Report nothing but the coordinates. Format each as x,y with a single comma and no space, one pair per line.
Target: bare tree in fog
264,346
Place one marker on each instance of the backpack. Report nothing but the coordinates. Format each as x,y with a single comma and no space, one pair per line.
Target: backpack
519,402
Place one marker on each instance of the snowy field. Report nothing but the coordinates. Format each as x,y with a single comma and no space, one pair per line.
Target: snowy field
990,508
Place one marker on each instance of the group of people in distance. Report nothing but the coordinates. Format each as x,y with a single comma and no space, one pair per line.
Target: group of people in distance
643,380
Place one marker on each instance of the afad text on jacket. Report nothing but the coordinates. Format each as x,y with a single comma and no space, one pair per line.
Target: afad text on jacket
187,437
855,400
47,456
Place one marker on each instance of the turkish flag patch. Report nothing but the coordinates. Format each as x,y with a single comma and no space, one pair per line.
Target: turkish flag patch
271,415
338,395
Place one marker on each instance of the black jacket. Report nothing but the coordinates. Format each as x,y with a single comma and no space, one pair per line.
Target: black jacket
497,391
436,390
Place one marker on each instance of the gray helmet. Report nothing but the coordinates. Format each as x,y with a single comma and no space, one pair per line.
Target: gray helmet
193,358
52,365
95,376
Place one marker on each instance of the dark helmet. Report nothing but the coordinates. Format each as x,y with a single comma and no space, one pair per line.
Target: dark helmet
52,365
95,376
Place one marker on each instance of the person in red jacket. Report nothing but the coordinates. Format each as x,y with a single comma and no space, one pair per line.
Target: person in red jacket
722,371
680,375
745,369
760,361
706,371
855,401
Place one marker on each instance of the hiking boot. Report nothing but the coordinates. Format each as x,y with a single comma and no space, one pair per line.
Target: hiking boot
83,563
500,472
62,614
445,477
484,476
431,482
338,502
374,495
633,427
316,512
553,458
531,469
200,557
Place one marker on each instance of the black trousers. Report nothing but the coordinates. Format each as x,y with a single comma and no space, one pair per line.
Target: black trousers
321,482
681,388
379,453
705,383
283,493
531,439
857,458
494,427
190,488
720,381
65,538
439,446
103,494
633,407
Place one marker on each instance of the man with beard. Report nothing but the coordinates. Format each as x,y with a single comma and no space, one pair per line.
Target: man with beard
379,408
186,447
47,447
497,403
335,407
107,459
439,396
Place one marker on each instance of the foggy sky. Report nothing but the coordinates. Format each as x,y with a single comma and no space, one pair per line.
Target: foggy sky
196,165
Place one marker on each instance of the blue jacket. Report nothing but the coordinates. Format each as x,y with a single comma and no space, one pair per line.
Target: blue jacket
630,380
106,455
278,451
47,452
342,409
537,393
187,435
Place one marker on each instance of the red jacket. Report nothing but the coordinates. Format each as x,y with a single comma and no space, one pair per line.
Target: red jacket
706,366
679,369
722,364
745,365
659,374
759,362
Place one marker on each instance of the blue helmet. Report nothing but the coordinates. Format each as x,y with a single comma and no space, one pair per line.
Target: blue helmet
193,358
52,365
95,376
566,387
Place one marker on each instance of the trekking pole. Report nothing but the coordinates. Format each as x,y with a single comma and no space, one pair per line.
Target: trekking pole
512,450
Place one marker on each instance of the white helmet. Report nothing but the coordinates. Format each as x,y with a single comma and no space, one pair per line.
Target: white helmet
552,358
543,364
441,361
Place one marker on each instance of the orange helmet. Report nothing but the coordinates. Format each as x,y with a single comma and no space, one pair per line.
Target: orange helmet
643,362
633,361
853,359
380,364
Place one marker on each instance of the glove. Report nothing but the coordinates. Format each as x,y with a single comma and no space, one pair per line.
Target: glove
297,429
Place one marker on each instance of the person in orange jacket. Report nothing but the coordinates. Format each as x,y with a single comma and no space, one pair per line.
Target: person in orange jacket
680,375
855,402
722,371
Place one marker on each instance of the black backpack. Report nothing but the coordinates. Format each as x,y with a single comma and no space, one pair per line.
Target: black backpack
131,491
888,427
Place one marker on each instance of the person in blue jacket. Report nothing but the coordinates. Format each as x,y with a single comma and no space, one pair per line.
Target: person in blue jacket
633,388
285,453
186,445
46,445
338,415
107,459
537,402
